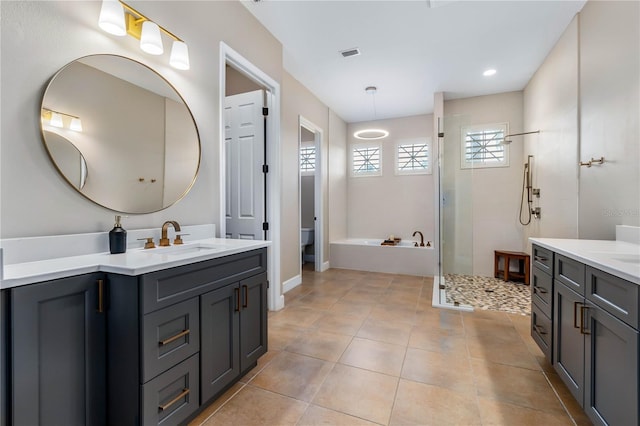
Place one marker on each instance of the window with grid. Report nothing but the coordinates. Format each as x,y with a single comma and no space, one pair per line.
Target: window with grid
365,160
308,159
413,157
482,146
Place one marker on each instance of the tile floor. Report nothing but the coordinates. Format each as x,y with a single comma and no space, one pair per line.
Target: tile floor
359,348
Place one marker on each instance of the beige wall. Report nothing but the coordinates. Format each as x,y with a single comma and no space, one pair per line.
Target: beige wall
551,106
337,201
594,65
236,82
296,101
487,199
379,206
609,117
31,189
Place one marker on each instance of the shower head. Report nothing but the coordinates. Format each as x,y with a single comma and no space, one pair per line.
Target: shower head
506,141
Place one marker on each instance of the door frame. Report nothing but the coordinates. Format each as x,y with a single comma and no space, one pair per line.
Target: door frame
231,57
318,207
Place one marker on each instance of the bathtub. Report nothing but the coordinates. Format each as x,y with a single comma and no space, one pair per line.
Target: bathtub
366,254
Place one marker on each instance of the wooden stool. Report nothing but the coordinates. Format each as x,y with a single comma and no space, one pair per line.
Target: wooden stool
506,274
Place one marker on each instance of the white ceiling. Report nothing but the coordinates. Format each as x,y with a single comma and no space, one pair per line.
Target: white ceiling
411,49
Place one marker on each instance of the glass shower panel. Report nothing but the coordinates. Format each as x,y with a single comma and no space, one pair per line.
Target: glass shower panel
456,206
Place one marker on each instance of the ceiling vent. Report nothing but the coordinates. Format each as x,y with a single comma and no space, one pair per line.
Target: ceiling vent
350,52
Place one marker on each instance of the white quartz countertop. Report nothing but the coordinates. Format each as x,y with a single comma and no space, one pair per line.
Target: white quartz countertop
618,258
134,262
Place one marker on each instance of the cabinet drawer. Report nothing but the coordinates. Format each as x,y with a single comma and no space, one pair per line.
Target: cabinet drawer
163,288
542,291
615,295
169,336
542,259
570,272
172,397
541,330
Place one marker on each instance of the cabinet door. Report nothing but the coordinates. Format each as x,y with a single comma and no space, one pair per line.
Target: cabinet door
611,387
219,340
253,320
58,352
568,341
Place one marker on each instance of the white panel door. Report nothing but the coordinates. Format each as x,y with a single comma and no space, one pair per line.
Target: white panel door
244,150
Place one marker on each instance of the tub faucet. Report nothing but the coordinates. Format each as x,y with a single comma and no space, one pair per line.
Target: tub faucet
164,240
421,238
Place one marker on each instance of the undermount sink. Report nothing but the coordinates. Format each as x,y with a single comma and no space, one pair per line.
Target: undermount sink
184,249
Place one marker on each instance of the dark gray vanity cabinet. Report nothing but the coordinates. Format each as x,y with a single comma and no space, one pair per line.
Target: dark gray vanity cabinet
234,332
176,336
58,352
542,299
596,340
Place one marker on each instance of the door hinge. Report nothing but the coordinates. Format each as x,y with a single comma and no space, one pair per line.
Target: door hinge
265,226
265,168
265,111
441,134
268,283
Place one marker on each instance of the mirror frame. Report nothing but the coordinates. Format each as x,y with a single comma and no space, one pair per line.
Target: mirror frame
66,179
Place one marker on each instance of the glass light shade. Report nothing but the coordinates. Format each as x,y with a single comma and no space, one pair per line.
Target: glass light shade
150,40
76,124
112,18
56,120
179,55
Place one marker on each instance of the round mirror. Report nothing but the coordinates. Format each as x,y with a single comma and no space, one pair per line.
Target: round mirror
120,134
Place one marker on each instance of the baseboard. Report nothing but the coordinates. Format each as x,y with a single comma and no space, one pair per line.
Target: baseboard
325,266
291,283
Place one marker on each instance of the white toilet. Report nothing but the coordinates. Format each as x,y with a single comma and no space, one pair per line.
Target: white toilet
306,239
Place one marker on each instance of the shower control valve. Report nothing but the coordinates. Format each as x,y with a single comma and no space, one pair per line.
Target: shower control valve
536,212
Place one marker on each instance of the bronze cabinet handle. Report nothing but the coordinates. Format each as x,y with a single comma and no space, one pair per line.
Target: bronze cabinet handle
245,291
540,290
539,329
540,258
182,394
100,296
583,330
176,337
237,294
575,312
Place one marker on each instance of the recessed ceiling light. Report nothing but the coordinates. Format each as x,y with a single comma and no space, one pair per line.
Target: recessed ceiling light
489,72
371,134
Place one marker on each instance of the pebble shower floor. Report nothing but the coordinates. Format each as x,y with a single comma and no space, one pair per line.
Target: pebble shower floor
488,293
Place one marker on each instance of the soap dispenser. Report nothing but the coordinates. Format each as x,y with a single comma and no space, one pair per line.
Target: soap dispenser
117,238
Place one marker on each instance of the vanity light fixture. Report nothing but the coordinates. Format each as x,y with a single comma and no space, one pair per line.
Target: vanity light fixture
57,119
118,18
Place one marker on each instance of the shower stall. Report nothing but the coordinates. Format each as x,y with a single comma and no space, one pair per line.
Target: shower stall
481,191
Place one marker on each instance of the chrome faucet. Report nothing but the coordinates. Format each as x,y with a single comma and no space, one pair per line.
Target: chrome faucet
164,240
421,238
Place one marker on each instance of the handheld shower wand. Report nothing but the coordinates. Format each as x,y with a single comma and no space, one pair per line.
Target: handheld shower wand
526,186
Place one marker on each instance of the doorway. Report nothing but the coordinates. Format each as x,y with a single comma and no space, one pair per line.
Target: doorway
271,205
311,210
